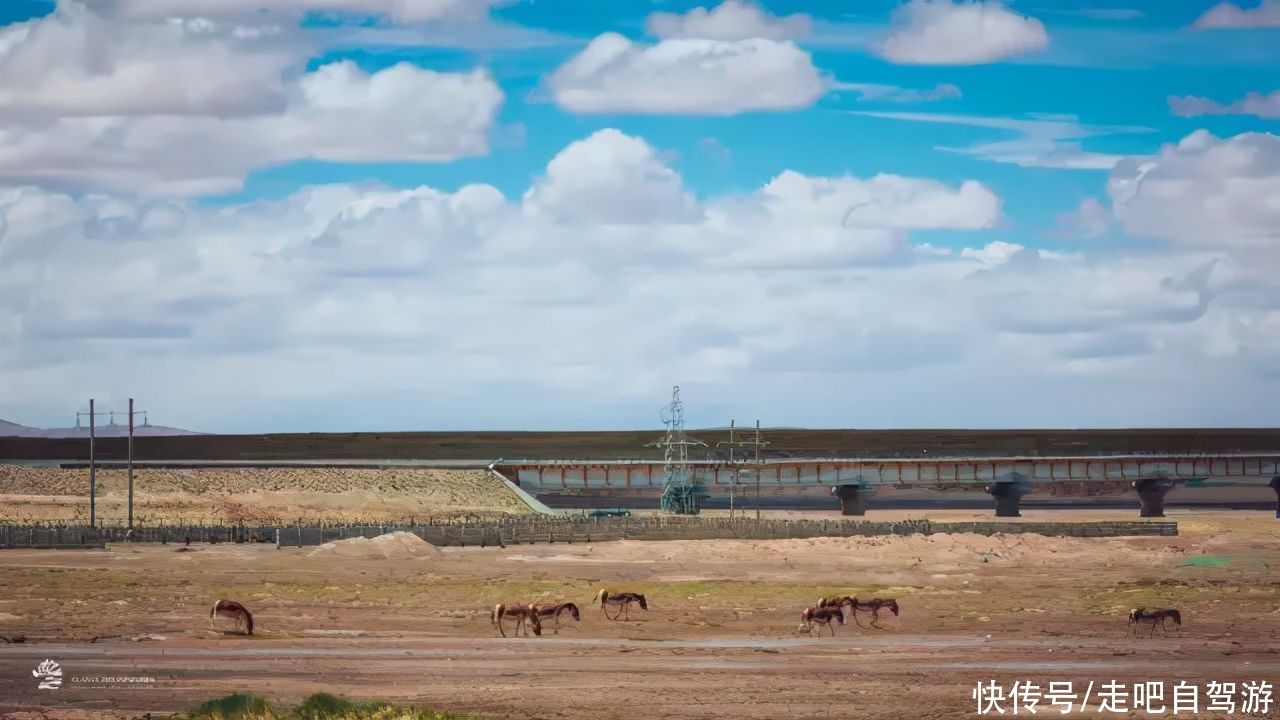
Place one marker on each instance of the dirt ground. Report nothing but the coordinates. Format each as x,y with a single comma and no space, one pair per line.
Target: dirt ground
397,621
270,495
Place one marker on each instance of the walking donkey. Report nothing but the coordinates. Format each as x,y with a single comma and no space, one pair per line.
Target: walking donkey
522,612
554,611
234,610
873,606
622,600
820,614
1141,615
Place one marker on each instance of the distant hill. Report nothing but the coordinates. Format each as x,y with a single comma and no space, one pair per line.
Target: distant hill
11,429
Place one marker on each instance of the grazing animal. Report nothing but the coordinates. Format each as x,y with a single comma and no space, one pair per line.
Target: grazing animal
234,610
522,612
823,615
554,611
836,601
1141,615
619,600
874,606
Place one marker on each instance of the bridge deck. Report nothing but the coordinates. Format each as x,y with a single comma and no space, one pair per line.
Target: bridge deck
948,472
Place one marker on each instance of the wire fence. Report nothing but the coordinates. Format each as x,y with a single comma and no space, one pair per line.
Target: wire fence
532,530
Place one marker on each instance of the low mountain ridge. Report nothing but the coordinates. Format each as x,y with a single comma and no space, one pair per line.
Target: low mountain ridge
108,429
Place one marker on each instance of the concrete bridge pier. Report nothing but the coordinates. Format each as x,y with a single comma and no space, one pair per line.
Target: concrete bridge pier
1008,496
1275,485
853,499
1151,494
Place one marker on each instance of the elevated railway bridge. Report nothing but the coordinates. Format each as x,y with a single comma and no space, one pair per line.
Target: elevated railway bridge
853,480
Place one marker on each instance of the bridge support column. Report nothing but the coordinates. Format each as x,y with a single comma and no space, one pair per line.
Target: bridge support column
1151,494
1008,495
853,499
1275,485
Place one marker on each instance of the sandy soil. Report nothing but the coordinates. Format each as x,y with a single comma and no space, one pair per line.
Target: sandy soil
717,641
230,495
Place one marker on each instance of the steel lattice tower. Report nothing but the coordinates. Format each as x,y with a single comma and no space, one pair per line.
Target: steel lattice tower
680,492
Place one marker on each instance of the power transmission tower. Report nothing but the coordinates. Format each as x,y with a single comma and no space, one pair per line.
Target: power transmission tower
681,493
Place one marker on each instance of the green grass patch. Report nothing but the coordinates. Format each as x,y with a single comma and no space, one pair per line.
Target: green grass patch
322,706
1207,561
239,706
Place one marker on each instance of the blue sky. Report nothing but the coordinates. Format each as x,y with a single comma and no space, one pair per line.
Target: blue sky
1084,75
1116,69
1008,139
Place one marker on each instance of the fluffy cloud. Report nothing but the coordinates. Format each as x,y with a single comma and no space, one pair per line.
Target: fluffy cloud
1229,15
1204,191
338,112
1264,106
74,62
730,20
942,32
105,98
686,76
884,201
611,178
562,305
1089,220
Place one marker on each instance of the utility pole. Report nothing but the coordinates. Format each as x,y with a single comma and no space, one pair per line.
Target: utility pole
93,470
130,463
93,463
734,443
757,469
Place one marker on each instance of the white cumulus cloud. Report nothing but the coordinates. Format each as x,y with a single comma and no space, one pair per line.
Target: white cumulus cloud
1254,103
1203,191
686,76
1090,220
885,201
339,112
74,62
730,20
610,178
570,302
943,32
1227,15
